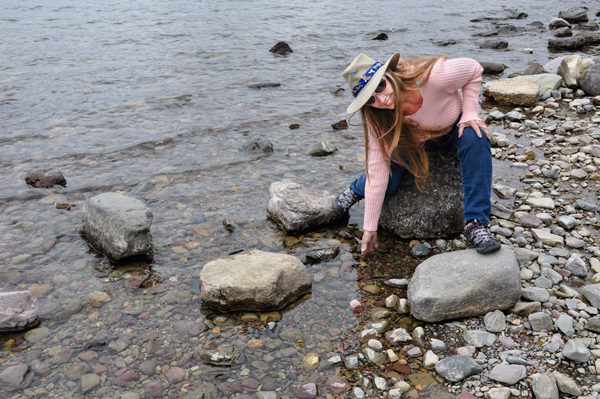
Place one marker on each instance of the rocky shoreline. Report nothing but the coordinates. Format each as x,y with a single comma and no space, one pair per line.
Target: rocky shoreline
353,336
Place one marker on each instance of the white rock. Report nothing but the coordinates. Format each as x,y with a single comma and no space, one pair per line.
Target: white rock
430,360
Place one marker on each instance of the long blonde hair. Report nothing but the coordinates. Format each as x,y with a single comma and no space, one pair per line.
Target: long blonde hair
392,129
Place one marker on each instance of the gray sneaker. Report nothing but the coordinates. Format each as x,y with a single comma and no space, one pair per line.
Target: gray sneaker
344,201
479,237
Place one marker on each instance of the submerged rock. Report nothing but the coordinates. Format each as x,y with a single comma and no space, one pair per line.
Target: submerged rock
16,377
411,213
254,281
258,144
297,208
117,226
18,311
472,285
43,178
223,355
281,48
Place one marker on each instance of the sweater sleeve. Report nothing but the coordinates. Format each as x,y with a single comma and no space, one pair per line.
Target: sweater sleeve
465,74
375,185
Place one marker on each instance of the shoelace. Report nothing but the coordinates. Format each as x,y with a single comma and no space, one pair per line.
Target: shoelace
347,199
479,232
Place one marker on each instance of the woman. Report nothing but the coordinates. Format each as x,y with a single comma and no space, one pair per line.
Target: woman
404,104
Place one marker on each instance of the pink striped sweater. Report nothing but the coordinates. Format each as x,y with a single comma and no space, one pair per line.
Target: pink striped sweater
442,104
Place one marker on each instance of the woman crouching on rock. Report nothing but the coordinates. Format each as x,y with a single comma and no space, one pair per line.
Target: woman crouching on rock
405,104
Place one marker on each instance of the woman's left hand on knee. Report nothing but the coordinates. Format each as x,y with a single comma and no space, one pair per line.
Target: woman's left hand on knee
477,125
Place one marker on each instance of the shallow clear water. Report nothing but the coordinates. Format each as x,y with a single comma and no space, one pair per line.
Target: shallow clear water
152,99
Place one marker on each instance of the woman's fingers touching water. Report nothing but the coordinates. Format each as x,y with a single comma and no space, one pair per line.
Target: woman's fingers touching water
477,125
369,241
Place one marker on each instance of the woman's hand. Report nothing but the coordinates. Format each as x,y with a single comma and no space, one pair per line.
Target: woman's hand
369,241
478,125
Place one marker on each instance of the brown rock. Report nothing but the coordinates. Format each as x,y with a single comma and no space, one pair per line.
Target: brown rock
340,125
43,178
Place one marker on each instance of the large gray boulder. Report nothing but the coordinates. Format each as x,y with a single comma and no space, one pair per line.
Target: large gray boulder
512,91
590,80
117,226
18,311
464,284
297,208
436,213
254,280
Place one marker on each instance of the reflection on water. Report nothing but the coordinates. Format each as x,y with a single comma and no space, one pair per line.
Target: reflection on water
152,99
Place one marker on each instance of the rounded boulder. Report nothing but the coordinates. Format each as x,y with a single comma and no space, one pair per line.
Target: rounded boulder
254,280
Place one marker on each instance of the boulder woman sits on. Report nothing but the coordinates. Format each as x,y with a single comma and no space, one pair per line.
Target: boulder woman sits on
406,106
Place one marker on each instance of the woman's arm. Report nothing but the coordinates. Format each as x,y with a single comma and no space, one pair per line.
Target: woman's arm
375,188
464,74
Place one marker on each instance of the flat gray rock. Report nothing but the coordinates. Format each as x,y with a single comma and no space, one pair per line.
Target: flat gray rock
253,280
566,384
436,213
577,266
464,284
508,374
540,321
495,321
457,368
18,311
535,294
546,81
479,339
297,208
576,351
592,293
117,226
544,387
565,325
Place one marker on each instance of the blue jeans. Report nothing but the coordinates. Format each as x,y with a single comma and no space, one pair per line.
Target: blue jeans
475,167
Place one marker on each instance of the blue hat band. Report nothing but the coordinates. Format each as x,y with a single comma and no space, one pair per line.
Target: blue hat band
366,78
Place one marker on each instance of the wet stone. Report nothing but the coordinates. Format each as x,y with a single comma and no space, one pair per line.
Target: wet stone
89,382
308,390
75,371
37,334
175,375
337,384
117,346
126,379
154,389
229,388
62,357
16,377
223,355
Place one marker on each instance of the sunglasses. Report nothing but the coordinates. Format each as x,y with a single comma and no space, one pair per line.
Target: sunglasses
379,89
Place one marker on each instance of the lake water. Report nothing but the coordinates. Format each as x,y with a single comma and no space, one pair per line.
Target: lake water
152,99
